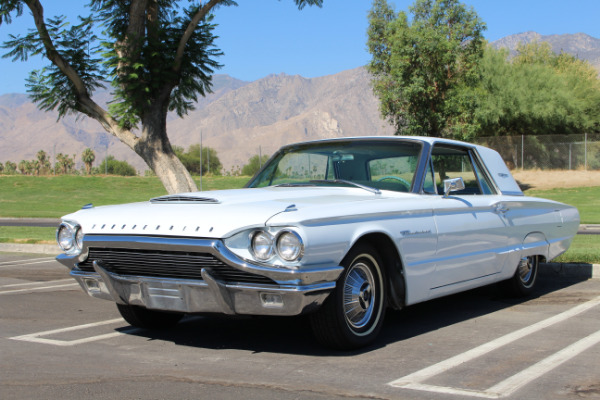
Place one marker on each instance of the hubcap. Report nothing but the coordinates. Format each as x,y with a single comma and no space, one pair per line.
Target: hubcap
526,270
359,295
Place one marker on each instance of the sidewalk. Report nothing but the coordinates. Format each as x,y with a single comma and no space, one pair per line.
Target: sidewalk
550,270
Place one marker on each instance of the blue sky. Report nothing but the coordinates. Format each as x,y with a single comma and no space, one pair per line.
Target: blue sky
262,37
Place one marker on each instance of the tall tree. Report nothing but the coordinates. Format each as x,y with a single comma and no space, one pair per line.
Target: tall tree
88,157
421,65
64,163
536,93
24,167
10,167
158,56
254,164
43,161
211,164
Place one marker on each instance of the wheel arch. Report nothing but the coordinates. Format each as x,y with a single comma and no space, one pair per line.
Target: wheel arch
536,244
392,265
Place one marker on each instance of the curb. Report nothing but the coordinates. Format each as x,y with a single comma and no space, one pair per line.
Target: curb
548,270
50,249
562,270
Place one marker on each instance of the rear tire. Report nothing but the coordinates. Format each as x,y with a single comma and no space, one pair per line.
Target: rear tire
150,319
523,281
353,314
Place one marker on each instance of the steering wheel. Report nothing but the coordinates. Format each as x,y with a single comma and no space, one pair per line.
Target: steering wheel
403,181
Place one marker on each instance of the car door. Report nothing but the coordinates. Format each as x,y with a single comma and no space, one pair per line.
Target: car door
472,231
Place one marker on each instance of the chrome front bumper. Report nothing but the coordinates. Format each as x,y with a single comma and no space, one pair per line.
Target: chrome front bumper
294,292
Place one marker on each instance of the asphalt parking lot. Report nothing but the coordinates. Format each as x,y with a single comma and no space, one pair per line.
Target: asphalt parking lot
56,342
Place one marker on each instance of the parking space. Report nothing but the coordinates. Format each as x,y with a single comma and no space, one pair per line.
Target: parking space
57,342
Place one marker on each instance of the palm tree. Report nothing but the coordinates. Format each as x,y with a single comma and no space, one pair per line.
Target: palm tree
44,163
88,158
23,166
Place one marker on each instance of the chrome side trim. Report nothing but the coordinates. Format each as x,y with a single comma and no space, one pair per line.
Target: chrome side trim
507,193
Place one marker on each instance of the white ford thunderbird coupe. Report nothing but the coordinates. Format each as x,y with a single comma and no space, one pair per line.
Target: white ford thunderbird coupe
341,229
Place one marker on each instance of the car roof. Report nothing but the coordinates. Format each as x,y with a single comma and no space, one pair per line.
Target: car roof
423,139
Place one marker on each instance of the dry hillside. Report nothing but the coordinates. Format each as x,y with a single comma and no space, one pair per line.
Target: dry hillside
236,120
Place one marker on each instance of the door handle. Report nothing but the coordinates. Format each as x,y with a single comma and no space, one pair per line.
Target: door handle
501,208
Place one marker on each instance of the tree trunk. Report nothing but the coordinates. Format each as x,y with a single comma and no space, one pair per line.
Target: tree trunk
155,149
171,172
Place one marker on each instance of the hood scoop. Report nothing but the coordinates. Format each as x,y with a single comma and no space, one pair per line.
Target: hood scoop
182,199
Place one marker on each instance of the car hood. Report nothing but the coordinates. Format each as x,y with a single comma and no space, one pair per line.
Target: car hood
218,214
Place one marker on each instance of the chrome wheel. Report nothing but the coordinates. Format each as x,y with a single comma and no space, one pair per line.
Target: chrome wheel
523,281
359,295
526,270
353,314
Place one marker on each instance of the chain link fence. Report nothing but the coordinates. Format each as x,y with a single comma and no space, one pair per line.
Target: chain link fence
567,152
544,152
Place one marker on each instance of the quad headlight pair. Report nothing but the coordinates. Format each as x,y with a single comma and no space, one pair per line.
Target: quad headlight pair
69,238
286,244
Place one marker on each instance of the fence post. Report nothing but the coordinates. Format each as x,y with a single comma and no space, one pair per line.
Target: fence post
200,160
585,152
570,146
522,152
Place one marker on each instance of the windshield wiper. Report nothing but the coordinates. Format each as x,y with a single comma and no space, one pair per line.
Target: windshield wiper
337,181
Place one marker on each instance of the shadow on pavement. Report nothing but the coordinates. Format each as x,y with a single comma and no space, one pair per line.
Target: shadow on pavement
293,335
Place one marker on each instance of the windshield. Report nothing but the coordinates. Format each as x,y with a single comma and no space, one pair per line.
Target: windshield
380,164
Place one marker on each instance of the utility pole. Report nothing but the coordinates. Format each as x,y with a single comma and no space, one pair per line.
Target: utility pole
200,160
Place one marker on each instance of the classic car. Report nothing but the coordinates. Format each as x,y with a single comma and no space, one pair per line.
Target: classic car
341,229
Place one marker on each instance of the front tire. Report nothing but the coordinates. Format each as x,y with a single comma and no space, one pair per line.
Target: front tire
523,281
141,317
353,314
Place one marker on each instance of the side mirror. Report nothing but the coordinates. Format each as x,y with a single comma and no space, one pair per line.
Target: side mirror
453,185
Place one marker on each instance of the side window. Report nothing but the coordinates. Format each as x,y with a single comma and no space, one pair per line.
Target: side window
486,185
429,183
455,162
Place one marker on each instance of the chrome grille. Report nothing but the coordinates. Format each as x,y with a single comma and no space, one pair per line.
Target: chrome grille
167,264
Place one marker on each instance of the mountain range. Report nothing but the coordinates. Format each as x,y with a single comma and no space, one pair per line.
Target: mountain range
579,45
239,119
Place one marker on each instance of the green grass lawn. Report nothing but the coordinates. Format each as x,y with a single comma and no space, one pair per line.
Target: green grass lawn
27,234
586,199
55,196
52,197
585,249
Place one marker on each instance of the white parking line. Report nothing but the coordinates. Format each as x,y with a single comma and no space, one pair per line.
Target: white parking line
38,288
36,283
38,337
20,264
515,382
510,385
26,261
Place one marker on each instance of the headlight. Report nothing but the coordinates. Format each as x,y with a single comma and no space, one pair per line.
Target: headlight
262,245
69,237
79,238
289,246
65,237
